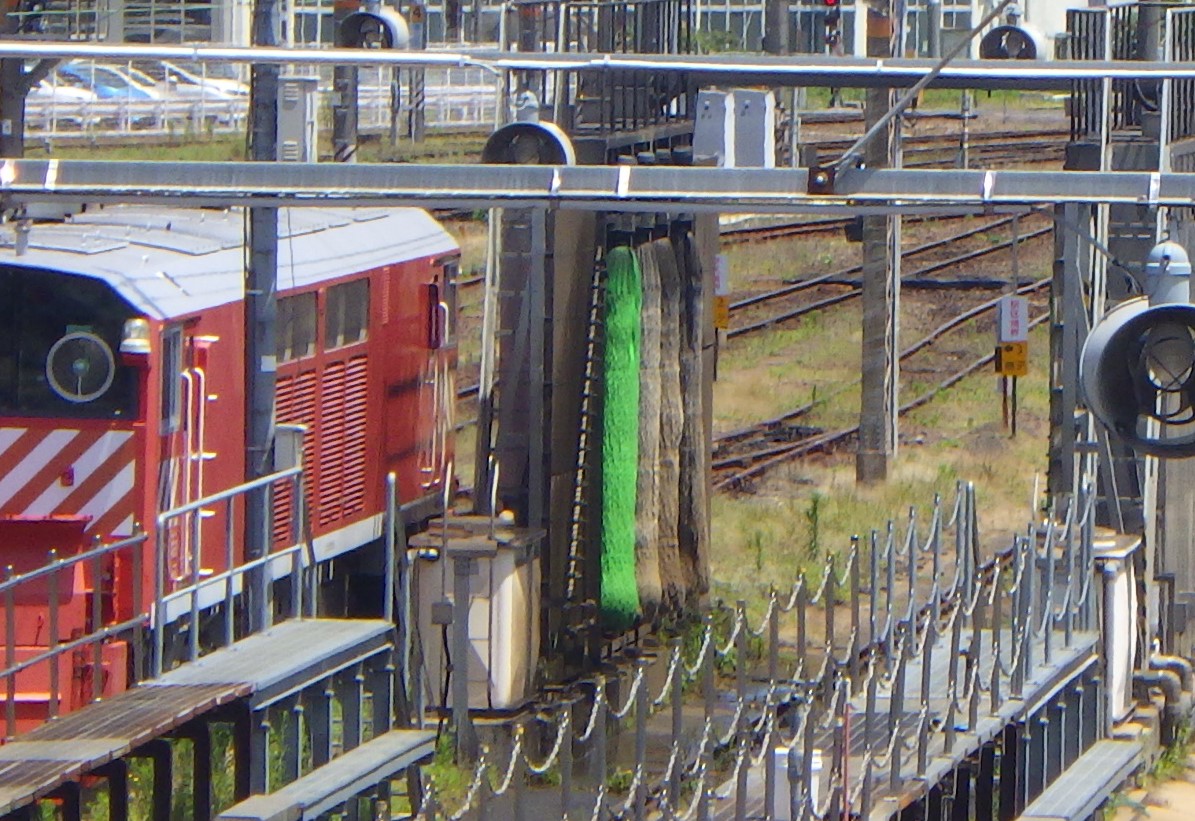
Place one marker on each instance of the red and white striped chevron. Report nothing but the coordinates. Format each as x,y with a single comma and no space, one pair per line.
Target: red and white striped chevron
90,472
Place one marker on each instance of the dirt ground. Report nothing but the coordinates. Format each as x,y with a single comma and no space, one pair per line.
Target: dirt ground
1169,801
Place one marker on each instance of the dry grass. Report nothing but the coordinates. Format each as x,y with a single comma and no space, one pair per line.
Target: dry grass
802,512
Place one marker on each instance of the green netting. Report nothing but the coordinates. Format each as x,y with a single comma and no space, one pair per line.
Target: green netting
620,439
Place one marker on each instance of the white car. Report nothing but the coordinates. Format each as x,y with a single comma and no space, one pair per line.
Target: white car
59,101
60,93
214,82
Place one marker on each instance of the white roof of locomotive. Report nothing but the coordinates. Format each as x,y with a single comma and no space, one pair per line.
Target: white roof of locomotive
171,262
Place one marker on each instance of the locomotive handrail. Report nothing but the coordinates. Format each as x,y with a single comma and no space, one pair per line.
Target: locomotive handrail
254,484
159,612
67,561
56,564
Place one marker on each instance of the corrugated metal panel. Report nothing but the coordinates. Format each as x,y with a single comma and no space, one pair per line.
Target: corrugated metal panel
178,242
331,436
164,276
72,240
296,406
356,412
343,417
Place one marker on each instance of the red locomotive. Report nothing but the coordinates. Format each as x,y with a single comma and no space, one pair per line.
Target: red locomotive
122,339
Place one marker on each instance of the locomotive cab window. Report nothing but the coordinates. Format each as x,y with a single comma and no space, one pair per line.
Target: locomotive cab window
172,368
346,314
58,354
295,329
448,282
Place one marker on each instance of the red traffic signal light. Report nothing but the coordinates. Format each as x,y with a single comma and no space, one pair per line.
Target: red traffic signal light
830,3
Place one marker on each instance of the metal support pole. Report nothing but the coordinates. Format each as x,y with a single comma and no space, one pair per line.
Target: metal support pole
566,760
742,731
201,770
70,800
350,689
116,772
319,722
261,311
381,688
292,752
960,803
463,569
641,715
985,804
769,770
417,93
242,741
259,752
933,12
1010,772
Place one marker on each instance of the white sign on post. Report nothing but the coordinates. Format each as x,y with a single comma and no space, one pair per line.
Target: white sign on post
1013,313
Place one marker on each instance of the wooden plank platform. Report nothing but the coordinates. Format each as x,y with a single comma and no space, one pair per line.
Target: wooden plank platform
331,785
260,669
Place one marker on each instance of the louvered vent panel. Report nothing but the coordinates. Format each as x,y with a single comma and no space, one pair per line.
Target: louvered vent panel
331,445
295,398
355,416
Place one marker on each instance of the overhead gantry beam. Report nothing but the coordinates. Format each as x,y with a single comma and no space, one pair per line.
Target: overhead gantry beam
735,69
605,188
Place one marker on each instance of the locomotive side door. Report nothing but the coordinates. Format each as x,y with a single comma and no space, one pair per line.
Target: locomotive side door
437,401
183,431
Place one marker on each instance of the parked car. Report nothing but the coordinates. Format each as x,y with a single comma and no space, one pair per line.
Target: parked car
68,92
110,82
197,80
59,101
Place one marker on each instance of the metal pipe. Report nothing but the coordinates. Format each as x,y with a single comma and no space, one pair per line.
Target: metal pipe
1172,691
641,711
783,70
1179,666
391,522
608,188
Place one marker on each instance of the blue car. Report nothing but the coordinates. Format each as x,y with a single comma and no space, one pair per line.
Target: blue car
109,82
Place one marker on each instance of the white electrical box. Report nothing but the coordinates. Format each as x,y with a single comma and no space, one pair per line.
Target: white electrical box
297,107
504,613
1114,563
713,131
754,128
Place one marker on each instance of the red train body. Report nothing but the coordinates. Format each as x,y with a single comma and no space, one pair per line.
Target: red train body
122,345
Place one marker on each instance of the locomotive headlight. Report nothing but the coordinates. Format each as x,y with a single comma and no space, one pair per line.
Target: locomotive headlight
135,338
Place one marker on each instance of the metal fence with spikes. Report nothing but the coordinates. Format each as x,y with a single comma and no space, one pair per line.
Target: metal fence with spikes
918,660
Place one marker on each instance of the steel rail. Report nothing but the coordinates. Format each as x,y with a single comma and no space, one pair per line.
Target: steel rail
806,284
605,188
859,72
769,456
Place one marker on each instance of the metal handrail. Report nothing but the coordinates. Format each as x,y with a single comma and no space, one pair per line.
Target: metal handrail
294,552
255,484
67,561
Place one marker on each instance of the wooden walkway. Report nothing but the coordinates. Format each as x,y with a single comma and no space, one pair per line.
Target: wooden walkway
257,671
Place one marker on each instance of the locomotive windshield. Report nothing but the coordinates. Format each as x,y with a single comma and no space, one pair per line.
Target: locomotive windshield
59,343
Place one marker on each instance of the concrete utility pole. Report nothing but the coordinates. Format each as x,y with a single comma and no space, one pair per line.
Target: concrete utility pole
15,81
881,286
261,307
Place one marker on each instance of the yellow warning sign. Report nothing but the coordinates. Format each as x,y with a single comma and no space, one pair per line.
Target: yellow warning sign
1012,359
722,312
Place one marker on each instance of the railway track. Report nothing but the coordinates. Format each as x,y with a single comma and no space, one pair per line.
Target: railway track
773,441
835,277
